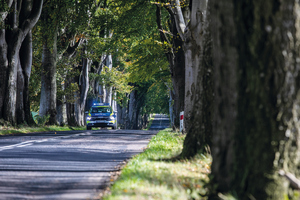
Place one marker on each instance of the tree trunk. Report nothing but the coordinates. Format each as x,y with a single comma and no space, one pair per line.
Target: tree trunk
193,50
256,78
3,69
83,90
175,56
61,109
177,67
122,115
10,103
26,63
15,72
132,111
108,88
48,80
199,95
71,116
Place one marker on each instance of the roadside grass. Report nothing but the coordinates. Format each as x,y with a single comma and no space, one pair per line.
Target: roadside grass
156,174
6,130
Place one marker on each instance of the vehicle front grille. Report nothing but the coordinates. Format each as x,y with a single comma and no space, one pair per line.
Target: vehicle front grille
101,118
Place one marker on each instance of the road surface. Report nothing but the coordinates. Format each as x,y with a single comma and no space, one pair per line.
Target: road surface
160,122
66,165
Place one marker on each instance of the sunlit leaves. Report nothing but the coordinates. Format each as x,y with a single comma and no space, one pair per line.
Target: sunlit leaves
148,62
137,36
114,78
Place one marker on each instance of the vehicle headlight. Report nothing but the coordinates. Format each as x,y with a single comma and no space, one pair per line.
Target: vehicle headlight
111,118
88,118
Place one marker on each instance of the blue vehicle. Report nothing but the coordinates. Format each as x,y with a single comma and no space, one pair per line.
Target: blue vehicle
101,115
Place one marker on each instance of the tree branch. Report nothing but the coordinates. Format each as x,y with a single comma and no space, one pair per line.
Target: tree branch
4,13
178,15
160,28
33,18
295,183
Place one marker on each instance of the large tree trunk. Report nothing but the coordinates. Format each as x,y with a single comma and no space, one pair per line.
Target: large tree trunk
25,71
199,95
3,69
256,84
177,66
132,111
61,109
122,115
48,78
83,90
15,70
71,116
193,51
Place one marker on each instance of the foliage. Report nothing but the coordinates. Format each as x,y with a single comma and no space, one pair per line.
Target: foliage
157,100
35,79
114,78
71,19
41,120
65,72
135,45
152,175
148,62
138,54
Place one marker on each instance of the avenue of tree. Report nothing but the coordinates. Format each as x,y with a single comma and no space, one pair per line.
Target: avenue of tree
231,66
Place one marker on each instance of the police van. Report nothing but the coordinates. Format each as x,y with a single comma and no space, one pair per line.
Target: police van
101,115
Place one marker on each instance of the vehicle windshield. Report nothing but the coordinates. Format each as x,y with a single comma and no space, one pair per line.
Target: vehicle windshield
101,110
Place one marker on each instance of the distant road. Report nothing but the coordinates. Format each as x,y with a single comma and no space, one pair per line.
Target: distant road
66,165
160,122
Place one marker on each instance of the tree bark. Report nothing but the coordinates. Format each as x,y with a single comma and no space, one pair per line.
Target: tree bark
122,115
26,63
177,66
193,50
108,88
83,90
132,111
3,69
256,84
3,12
175,56
48,80
198,82
15,27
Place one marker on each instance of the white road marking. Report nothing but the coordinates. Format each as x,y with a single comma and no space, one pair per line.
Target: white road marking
31,142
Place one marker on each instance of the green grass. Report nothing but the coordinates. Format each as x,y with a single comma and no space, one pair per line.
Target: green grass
153,174
6,130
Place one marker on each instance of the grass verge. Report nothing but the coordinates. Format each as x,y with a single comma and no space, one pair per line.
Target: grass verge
5,130
154,175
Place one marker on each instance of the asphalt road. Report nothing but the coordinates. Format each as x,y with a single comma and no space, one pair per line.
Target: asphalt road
160,122
66,165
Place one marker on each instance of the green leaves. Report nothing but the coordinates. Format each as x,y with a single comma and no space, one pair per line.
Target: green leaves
127,30
114,78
